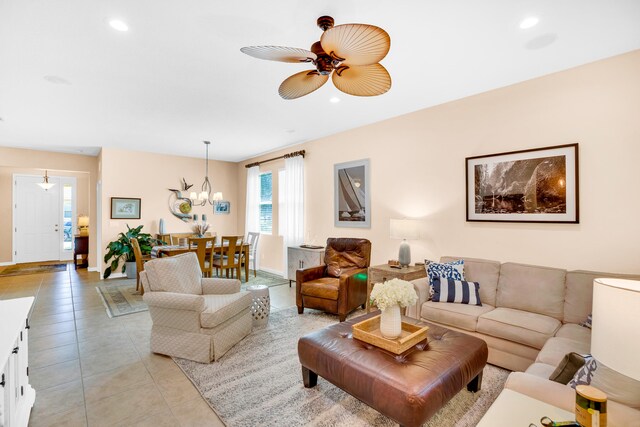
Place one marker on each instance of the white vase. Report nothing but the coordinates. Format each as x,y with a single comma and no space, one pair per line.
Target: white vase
391,322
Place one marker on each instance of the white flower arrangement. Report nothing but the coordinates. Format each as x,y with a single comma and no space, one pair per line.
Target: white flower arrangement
394,291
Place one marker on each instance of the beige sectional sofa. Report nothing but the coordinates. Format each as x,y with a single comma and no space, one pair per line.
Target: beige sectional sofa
530,319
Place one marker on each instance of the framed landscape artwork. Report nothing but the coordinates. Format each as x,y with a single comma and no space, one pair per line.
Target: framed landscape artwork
223,207
352,198
125,208
537,185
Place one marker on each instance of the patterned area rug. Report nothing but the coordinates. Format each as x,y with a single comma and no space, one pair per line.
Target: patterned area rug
120,297
20,270
258,382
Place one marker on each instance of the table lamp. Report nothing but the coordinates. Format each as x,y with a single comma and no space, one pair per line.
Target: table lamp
83,225
615,334
404,229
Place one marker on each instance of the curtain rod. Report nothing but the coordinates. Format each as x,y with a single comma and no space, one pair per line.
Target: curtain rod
286,156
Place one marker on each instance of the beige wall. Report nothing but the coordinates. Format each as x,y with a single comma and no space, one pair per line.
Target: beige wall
418,171
149,176
32,162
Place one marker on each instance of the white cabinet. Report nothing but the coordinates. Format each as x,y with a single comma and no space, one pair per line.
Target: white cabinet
299,258
16,395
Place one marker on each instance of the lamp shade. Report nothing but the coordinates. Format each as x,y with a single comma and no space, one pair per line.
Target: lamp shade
404,229
615,335
83,221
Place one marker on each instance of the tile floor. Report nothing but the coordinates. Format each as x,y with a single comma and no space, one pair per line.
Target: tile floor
88,369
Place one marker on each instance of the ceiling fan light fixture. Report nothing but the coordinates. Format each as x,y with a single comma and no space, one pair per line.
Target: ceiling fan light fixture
118,25
334,100
529,22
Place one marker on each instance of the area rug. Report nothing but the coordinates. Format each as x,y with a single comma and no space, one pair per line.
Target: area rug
258,382
120,297
21,270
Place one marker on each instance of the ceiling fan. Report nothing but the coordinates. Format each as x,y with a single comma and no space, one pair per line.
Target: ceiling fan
350,53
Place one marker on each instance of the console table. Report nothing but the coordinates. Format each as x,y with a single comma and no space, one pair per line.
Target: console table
81,247
299,258
16,395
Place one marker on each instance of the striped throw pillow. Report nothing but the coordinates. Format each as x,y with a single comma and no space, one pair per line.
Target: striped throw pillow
458,291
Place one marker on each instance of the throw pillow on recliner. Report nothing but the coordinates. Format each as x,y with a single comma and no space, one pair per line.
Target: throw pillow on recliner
568,367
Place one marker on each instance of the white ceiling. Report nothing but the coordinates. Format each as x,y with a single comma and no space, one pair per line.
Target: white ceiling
178,77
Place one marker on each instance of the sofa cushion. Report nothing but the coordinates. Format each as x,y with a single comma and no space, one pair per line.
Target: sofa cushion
483,271
223,307
532,288
324,287
448,270
579,293
523,327
458,315
455,291
556,348
575,332
541,370
180,274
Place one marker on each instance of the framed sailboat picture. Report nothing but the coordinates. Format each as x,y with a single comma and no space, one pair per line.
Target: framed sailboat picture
352,198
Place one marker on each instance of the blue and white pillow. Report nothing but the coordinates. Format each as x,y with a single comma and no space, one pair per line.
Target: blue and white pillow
584,375
448,270
456,291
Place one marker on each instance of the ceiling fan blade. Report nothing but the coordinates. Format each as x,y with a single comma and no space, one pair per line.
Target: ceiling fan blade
301,84
279,53
358,44
364,80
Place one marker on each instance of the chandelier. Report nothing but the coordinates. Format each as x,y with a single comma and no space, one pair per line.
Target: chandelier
206,192
45,184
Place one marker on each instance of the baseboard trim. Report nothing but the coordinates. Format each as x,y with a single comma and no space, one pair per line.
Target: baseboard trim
272,271
93,269
5,264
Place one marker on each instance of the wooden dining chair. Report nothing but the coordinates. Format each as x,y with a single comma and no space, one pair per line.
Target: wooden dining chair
175,237
199,244
140,260
229,259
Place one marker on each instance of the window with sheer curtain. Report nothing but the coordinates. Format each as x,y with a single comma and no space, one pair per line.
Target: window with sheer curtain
266,203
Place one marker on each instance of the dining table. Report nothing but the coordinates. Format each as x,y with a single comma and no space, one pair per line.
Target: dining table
173,250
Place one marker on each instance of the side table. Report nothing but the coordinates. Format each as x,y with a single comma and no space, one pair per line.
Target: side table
81,247
261,305
382,273
516,409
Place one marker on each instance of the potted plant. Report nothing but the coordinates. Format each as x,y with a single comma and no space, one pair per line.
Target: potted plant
121,250
389,297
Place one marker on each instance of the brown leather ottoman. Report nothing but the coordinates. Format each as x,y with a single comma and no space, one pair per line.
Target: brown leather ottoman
407,388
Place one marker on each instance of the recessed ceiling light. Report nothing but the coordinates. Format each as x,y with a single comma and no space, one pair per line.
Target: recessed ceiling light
334,100
56,80
118,25
529,22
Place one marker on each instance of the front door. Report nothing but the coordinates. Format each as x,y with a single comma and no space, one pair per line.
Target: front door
37,214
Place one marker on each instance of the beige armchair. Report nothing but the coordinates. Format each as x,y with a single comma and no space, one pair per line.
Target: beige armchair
193,318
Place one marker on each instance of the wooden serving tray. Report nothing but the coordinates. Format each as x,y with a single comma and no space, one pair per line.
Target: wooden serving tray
369,332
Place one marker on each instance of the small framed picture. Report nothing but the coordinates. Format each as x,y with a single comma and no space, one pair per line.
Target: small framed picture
125,208
537,185
352,194
223,207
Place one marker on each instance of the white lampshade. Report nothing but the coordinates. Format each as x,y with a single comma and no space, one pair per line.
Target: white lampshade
404,229
83,221
615,334
193,195
217,196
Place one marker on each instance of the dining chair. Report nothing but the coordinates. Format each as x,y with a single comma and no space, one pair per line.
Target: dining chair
228,259
175,237
140,260
252,240
205,259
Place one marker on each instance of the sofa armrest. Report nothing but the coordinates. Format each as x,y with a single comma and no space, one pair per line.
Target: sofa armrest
217,286
174,301
422,288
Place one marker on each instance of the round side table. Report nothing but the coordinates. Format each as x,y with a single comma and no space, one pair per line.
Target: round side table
261,305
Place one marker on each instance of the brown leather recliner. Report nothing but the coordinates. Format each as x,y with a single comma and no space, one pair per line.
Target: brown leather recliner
340,286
